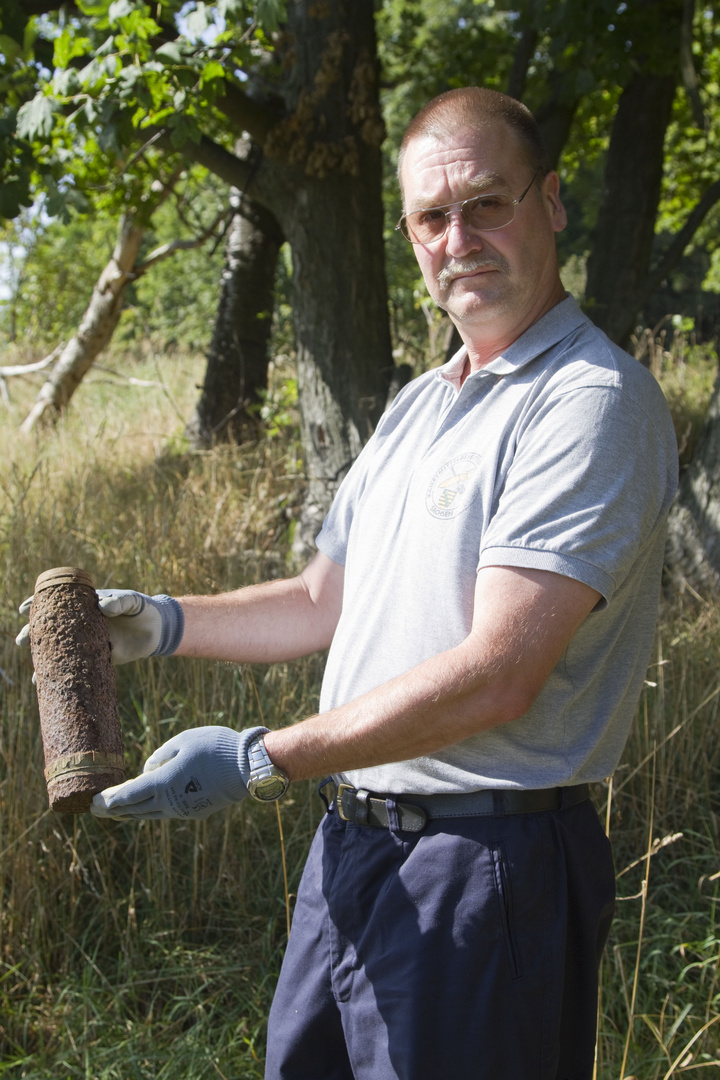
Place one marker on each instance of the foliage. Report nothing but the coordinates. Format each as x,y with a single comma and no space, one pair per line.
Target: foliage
693,151
61,265
580,57
175,302
89,117
92,95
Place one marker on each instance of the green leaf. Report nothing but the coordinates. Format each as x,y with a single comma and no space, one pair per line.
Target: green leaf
212,70
107,47
56,206
68,46
65,82
170,51
95,72
197,21
119,9
35,118
108,137
183,131
9,48
231,10
270,13
14,194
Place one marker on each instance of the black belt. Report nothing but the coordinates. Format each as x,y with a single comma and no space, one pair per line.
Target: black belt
365,808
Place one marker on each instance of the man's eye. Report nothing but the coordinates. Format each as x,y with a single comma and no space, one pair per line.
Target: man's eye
486,202
430,217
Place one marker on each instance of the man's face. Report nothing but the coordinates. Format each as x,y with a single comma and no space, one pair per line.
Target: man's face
491,283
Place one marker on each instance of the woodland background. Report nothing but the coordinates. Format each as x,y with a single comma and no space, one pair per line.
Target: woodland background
205,309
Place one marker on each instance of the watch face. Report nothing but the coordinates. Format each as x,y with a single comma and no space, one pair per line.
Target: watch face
269,788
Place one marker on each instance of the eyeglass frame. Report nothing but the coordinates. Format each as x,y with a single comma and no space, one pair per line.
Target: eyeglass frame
453,208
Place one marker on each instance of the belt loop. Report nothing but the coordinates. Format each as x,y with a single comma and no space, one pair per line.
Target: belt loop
393,818
329,804
361,799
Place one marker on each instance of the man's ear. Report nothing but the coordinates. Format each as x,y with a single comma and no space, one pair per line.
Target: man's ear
551,196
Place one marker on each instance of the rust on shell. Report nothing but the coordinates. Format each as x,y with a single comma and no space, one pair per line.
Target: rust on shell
77,697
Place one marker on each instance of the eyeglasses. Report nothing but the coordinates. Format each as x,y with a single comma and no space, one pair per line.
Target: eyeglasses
485,213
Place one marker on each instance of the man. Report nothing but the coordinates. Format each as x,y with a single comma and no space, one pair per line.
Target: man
487,583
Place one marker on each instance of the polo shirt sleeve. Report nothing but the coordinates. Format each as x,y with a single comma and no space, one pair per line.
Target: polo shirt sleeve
333,537
589,485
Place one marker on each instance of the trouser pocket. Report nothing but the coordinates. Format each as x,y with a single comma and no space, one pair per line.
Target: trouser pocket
503,891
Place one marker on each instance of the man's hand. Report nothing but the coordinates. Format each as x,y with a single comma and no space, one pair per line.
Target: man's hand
189,777
139,625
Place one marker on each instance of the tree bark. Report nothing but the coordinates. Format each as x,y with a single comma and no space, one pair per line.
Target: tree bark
96,329
237,366
693,551
620,259
322,176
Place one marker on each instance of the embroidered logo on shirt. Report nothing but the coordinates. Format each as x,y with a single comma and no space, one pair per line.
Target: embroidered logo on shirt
452,489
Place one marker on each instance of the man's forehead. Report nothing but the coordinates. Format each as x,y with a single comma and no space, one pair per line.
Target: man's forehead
476,158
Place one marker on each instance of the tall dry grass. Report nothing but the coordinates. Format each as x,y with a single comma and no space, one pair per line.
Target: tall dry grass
147,951
151,951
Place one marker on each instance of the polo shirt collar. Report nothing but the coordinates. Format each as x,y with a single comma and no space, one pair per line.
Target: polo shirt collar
555,325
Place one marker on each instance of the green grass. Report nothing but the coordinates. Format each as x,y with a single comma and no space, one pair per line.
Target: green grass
152,951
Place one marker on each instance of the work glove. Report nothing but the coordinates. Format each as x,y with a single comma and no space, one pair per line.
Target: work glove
189,777
139,625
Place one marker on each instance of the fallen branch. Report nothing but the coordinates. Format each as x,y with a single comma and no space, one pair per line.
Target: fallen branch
27,369
101,317
129,379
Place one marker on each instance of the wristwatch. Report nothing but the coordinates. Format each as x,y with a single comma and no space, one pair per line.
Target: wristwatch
267,783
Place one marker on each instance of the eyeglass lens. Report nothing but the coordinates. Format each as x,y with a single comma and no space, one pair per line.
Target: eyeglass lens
486,212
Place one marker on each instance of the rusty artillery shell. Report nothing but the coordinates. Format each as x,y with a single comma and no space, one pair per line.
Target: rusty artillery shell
77,698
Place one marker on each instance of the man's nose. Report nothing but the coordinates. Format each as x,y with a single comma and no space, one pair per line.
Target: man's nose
460,238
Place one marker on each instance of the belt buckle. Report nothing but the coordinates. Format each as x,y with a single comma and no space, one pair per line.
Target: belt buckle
358,805
341,789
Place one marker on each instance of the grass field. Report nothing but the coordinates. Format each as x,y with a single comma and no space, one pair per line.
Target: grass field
151,951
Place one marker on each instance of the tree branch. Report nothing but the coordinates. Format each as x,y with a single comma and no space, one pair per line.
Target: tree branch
173,246
523,51
233,170
44,7
687,66
681,240
27,369
246,114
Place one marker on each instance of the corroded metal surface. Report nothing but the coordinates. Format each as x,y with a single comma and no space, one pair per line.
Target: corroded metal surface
79,717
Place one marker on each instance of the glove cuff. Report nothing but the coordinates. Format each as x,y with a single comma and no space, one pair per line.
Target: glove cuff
233,766
172,624
246,737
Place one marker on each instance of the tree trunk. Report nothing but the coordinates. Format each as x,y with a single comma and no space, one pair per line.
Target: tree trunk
620,258
96,329
237,366
322,176
693,550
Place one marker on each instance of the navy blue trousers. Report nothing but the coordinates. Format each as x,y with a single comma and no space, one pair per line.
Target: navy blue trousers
470,950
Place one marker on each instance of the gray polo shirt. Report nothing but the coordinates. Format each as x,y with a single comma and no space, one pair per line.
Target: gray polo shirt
559,455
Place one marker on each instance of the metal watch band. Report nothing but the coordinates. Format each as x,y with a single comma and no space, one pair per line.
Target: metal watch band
266,782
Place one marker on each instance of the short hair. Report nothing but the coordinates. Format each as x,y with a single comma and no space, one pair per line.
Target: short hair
473,107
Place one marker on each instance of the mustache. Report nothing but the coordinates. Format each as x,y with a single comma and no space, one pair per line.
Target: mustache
458,267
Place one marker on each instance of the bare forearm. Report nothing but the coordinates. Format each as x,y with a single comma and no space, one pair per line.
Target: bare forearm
276,621
433,706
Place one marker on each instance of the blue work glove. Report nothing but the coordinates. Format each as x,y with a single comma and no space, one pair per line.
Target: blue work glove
190,776
139,625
